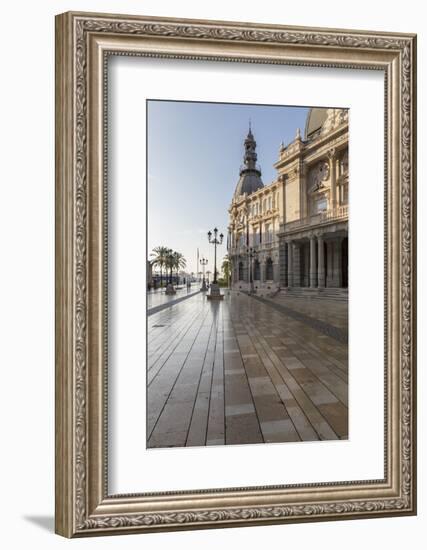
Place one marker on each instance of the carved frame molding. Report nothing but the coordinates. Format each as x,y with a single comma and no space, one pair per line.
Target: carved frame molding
83,43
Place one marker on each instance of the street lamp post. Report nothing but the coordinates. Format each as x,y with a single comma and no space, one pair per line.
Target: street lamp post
204,262
215,293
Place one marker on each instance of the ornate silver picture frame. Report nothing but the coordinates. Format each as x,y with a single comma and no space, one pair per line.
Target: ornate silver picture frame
84,505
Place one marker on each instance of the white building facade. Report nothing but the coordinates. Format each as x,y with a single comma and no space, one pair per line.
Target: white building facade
293,233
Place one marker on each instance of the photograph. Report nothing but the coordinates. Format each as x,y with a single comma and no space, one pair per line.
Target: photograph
247,273
235,324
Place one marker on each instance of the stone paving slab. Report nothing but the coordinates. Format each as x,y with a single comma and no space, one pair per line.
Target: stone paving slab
340,334
242,371
159,297
171,302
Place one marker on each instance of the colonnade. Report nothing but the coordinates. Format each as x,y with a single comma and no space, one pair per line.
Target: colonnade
322,255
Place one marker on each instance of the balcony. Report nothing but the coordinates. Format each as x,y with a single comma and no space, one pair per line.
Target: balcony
243,249
337,214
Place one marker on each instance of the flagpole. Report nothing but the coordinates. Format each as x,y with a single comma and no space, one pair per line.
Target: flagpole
197,265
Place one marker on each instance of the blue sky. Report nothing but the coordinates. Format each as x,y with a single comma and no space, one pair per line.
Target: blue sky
194,154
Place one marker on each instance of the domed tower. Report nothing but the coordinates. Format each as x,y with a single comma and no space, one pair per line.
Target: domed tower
315,120
250,173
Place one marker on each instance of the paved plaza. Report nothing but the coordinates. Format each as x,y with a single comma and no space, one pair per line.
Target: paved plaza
247,370
157,298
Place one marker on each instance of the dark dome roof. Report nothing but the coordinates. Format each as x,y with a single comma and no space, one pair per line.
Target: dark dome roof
250,173
249,182
315,119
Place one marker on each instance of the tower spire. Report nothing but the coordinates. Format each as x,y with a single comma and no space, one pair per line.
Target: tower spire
250,174
250,156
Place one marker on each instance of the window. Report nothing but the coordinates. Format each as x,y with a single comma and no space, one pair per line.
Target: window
240,271
267,233
269,270
256,271
321,205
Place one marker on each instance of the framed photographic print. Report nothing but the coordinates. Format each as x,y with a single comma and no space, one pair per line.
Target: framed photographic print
235,274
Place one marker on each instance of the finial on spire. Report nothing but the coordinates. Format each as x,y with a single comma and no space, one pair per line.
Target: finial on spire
298,134
250,127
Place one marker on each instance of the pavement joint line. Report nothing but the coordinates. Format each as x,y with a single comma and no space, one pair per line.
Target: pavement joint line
325,328
161,307
212,327
309,415
319,377
178,336
202,314
255,335
295,347
175,381
262,350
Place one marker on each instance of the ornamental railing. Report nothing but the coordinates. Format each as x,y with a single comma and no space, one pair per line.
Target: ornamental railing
339,213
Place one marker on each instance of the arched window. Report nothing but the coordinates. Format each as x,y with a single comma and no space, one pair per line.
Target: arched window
256,271
240,271
255,240
267,232
269,269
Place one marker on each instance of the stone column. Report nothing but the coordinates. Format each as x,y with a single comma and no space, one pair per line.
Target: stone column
283,268
332,167
320,262
303,190
276,272
290,264
262,271
313,267
284,179
339,262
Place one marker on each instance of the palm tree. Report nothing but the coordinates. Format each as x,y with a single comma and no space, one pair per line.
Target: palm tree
160,257
179,262
169,263
226,267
